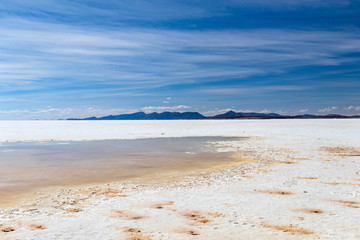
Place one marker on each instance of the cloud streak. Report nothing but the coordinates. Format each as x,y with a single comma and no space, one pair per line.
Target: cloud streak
356,108
179,108
328,109
53,113
160,57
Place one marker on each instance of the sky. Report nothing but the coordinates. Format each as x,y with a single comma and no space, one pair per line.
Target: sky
80,58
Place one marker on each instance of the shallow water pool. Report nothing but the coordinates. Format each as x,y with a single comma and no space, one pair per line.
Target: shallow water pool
26,167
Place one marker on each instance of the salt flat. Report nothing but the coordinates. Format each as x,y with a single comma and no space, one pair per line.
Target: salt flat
97,130
299,179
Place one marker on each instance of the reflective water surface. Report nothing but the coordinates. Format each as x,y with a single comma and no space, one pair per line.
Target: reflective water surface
28,167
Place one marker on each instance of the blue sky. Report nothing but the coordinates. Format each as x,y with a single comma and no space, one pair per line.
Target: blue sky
61,58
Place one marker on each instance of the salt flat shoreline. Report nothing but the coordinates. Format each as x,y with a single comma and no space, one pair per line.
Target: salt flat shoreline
302,181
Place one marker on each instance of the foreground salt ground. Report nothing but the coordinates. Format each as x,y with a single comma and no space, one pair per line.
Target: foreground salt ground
300,180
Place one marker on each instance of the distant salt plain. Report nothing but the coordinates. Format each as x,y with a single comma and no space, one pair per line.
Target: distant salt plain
12,131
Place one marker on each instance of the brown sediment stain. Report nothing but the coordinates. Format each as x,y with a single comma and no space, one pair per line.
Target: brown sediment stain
205,221
198,217
349,204
70,202
187,231
162,205
343,151
292,229
7,229
215,214
299,218
331,183
131,230
195,216
275,192
128,215
309,178
192,232
301,159
139,237
342,183
134,233
228,204
287,162
73,210
238,159
309,210
37,227
108,192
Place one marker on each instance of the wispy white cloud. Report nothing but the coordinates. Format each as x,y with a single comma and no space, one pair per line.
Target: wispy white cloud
179,108
328,109
265,111
167,100
356,108
52,113
158,57
221,111
303,110
246,90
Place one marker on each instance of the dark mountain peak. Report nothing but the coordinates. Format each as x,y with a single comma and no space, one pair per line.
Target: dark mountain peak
229,113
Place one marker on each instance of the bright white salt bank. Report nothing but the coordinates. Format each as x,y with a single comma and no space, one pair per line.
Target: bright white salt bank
12,131
306,185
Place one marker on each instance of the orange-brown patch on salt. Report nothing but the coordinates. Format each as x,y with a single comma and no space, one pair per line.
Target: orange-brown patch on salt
275,192
301,159
192,232
343,151
198,217
237,160
73,210
341,183
309,210
108,192
139,237
128,215
195,216
215,214
130,230
292,229
287,162
228,204
37,227
7,229
309,178
187,231
331,183
162,205
349,204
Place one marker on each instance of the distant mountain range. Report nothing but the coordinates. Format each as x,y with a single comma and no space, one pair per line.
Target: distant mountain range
149,116
196,115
